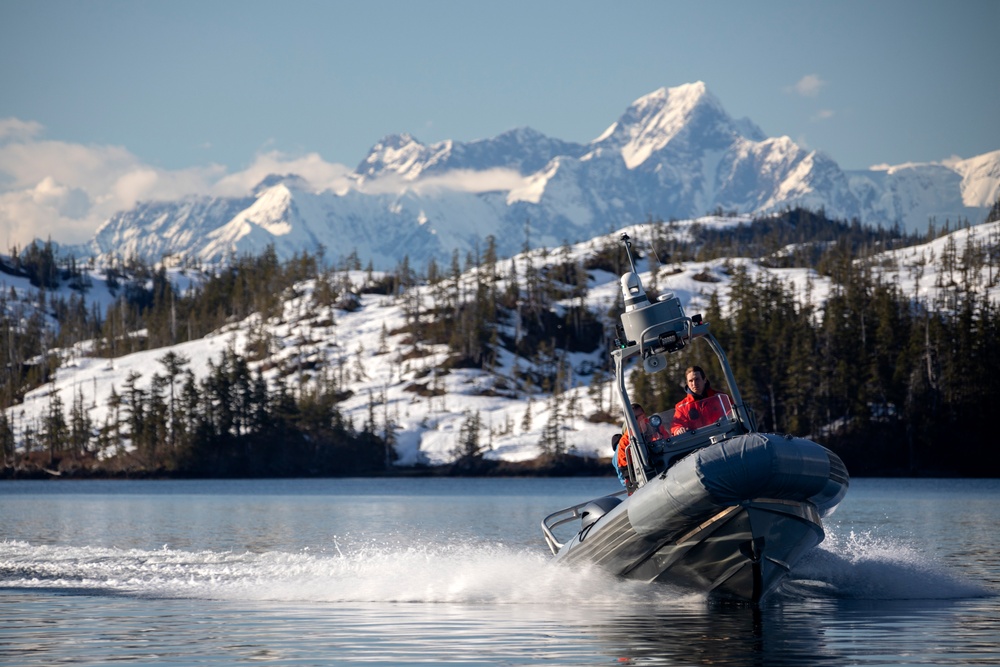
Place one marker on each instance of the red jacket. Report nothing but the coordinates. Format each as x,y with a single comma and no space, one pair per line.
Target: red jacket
689,417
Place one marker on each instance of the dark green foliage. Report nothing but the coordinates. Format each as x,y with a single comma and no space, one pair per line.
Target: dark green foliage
228,424
893,386
243,429
795,238
39,265
231,423
994,214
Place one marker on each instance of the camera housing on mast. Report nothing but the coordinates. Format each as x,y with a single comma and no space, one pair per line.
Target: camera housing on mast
659,328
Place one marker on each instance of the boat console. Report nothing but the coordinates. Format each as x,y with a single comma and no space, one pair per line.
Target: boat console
714,421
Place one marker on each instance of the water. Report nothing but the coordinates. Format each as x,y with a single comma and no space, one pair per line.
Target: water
455,571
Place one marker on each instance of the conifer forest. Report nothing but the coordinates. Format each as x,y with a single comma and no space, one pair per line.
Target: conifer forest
895,384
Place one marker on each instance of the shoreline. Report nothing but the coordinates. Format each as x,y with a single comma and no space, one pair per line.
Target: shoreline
545,466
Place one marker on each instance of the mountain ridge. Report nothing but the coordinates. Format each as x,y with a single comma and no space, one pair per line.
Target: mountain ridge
673,154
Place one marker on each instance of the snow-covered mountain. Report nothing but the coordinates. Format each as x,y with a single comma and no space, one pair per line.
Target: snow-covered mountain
673,154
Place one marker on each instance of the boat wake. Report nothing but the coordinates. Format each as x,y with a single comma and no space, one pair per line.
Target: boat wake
862,566
430,573
857,566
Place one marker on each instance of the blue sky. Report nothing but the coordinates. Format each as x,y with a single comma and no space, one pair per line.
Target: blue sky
181,94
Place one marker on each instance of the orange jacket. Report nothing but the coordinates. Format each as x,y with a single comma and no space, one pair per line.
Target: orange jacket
650,436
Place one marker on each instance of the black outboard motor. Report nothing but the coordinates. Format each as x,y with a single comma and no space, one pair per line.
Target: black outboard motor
595,509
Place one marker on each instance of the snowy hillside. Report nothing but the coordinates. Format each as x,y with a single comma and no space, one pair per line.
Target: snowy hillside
673,154
389,379
925,273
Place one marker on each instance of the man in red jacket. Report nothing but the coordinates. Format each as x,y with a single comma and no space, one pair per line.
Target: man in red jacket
689,413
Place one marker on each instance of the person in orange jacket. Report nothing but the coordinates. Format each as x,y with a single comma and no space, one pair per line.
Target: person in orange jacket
649,434
689,416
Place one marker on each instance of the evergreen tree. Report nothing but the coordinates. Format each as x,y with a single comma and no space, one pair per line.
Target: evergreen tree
469,446
7,440
55,433
80,426
553,440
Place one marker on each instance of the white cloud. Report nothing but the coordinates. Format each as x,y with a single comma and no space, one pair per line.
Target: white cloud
65,191
321,175
489,180
808,86
15,128
823,114
458,180
69,202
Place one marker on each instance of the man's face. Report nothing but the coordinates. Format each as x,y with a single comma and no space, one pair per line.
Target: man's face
640,416
696,382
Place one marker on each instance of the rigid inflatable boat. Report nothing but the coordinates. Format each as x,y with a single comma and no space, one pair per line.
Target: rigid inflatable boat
720,507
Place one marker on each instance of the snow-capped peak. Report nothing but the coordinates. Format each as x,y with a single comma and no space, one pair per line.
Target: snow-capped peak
403,155
980,179
674,153
655,120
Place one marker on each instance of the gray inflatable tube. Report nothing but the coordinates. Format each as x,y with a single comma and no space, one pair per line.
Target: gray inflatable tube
755,465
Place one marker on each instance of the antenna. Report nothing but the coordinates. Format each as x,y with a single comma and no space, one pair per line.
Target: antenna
652,248
628,251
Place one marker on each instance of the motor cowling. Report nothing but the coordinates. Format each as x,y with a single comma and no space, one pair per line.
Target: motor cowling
595,509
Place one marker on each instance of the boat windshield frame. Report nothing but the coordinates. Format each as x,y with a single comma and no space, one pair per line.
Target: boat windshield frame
641,466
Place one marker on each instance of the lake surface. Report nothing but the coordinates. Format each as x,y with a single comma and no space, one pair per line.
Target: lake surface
455,571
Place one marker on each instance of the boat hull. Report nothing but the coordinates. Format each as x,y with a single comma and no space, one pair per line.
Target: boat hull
741,554
730,520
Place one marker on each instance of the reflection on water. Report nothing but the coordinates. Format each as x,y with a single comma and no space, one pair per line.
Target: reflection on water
417,578
45,631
